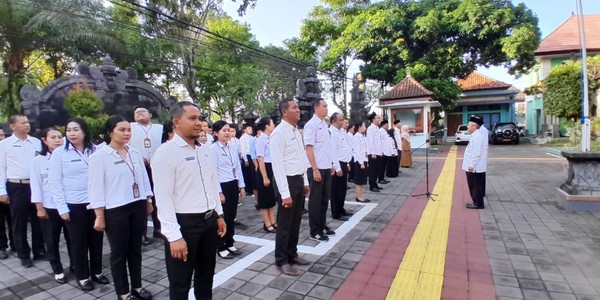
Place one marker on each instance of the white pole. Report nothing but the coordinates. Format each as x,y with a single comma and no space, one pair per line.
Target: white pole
585,119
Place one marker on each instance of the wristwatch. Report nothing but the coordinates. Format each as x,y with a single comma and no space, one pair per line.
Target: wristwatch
222,216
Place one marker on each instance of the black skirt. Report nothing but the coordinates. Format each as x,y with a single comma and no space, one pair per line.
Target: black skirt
266,195
360,175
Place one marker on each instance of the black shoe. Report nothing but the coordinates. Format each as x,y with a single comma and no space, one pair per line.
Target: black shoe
146,241
471,206
383,181
130,297
143,294
236,222
269,229
40,256
72,269
375,190
61,280
347,214
319,238
328,231
342,218
362,201
3,254
86,286
226,255
234,251
304,211
26,263
100,279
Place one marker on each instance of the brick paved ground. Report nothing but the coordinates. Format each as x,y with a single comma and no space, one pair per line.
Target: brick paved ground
535,249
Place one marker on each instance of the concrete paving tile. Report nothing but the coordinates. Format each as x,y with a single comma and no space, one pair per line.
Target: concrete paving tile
322,292
249,289
506,280
557,287
300,287
561,296
269,294
290,296
233,284
507,291
236,296
281,283
536,295
311,277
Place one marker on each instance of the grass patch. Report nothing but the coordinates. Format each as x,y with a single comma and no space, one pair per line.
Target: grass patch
564,143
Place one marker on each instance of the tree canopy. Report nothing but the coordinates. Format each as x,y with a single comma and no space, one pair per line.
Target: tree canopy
438,41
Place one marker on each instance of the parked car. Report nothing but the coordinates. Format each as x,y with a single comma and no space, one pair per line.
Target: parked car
437,136
504,132
462,135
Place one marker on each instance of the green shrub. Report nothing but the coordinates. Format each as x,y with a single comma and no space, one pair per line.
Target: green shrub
83,103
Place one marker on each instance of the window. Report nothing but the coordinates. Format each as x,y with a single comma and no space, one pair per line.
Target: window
412,117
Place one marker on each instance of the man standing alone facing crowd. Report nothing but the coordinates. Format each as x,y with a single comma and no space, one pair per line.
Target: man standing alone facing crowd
474,162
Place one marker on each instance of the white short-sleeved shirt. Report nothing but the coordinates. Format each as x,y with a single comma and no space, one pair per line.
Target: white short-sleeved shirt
16,156
69,176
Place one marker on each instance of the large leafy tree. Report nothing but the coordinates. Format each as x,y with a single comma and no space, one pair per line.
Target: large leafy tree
562,88
437,41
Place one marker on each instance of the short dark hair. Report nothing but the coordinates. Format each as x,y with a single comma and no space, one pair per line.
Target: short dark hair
178,108
142,106
334,117
44,134
167,128
284,105
87,139
246,126
13,118
263,123
110,125
396,122
316,104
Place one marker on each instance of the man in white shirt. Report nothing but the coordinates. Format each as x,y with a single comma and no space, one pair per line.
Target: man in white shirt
322,165
145,138
374,151
16,154
289,170
339,182
383,135
189,206
210,138
248,167
5,222
475,162
398,139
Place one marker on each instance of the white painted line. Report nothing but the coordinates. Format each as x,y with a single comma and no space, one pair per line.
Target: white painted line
267,246
554,155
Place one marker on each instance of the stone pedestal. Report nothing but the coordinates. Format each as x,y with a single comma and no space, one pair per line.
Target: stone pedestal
582,189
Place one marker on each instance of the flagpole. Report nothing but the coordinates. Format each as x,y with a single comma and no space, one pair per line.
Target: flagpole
585,117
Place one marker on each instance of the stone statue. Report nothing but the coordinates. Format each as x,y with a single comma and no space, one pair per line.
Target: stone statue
307,90
119,90
358,99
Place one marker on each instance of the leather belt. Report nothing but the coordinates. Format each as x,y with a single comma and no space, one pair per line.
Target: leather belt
21,181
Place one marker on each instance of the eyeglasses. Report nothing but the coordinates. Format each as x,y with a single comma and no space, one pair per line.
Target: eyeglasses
140,111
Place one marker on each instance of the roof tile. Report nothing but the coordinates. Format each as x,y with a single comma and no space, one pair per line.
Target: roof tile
478,81
565,38
407,88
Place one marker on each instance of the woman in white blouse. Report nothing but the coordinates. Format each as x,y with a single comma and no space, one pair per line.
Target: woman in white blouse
360,161
264,176
52,223
68,179
121,197
231,179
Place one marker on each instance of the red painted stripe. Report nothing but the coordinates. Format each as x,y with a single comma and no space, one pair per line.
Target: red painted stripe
374,273
467,274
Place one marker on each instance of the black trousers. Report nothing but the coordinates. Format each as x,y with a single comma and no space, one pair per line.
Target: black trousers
85,239
288,221
318,200
351,173
338,191
249,175
6,223
155,221
52,227
232,196
22,212
382,164
373,171
476,183
200,234
124,229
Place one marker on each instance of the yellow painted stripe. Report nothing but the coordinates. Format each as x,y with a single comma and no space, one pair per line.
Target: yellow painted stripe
421,273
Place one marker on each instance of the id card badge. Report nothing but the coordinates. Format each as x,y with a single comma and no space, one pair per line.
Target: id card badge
147,143
136,191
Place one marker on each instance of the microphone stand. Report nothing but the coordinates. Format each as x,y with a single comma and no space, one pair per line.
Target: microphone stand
427,192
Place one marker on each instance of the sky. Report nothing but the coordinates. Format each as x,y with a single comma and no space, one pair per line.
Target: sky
273,21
